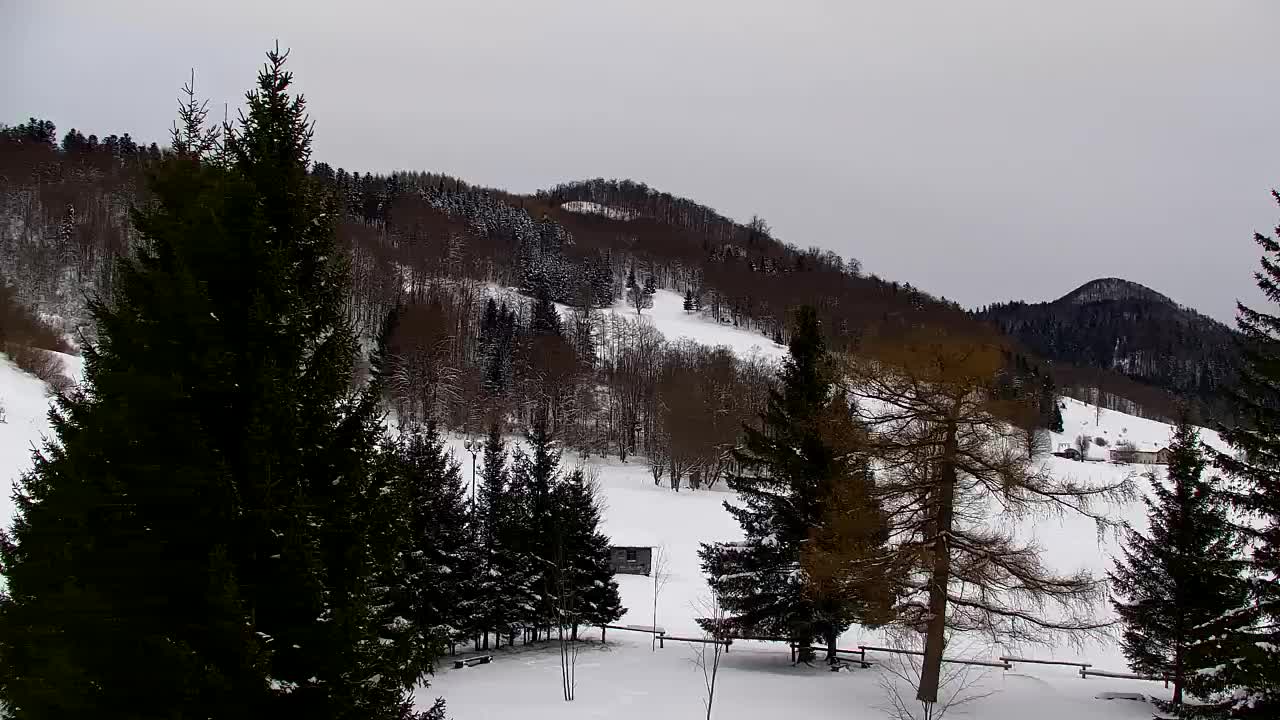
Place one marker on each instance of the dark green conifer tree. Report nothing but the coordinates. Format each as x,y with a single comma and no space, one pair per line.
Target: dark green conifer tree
583,554
438,583
500,591
197,540
518,542
533,477
544,317
1246,643
805,453
1182,573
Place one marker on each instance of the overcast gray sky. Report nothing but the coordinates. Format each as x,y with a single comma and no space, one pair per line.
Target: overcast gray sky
980,149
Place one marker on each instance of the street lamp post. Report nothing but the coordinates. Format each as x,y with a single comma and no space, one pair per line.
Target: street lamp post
472,446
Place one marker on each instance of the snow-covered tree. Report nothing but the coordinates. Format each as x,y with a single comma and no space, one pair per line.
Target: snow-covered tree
1245,646
583,552
436,591
1180,575
504,567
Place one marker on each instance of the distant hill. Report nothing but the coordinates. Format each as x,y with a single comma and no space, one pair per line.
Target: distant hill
65,208
1111,324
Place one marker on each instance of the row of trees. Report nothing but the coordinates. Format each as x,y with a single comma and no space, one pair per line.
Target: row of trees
520,556
222,526
543,562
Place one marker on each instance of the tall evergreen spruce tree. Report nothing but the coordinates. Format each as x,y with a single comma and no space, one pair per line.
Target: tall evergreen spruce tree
500,591
533,477
544,317
805,455
1247,642
583,553
1180,575
518,545
438,584
564,556
197,539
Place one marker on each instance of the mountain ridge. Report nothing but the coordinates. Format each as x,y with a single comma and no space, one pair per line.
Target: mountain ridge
1119,325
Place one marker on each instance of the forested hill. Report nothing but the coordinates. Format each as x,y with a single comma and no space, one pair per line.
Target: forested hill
64,217
1122,326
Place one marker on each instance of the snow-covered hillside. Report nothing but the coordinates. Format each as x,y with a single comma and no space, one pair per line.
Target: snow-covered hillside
669,317
25,400
590,208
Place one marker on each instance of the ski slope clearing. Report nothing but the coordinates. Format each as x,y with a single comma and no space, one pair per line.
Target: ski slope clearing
589,208
669,317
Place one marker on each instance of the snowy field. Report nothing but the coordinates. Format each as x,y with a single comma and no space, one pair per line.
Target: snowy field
625,679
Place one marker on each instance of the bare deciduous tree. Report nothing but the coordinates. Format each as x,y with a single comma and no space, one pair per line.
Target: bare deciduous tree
1082,444
661,574
567,620
957,686
948,455
706,656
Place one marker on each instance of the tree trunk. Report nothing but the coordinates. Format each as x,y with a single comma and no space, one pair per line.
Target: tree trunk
944,505
1177,677
804,651
830,636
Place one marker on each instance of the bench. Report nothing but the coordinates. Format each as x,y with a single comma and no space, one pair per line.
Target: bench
649,629
861,655
472,662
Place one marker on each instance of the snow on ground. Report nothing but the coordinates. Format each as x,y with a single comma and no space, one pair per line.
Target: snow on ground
25,400
668,316
625,680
